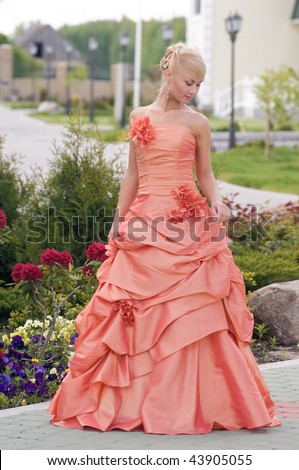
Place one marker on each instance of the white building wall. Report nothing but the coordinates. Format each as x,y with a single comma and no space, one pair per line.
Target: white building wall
267,40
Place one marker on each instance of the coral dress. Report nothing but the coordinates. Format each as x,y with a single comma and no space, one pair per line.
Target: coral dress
163,344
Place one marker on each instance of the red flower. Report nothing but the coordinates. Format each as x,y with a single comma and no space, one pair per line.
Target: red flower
65,259
51,256
1,353
88,271
26,272
190,202
96,251
2,219
142,130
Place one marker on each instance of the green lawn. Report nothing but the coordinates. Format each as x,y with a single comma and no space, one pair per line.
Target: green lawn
101,118
247,166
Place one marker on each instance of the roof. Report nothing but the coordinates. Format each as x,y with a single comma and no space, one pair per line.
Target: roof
44,36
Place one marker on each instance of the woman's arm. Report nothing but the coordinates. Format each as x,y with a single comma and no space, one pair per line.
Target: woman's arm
127,194
204,171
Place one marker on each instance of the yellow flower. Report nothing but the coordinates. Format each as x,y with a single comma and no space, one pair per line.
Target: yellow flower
67,371
24,402
53,371
4,338
35,360
12,335
67,336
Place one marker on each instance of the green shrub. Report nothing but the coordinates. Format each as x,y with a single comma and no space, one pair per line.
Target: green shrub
10,300
269,267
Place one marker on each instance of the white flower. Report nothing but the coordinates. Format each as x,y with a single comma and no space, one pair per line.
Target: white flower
53,370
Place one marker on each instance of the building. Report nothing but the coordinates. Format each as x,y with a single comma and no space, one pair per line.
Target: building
43,42
269,38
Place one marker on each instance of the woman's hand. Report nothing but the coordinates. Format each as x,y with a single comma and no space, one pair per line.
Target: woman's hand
220,210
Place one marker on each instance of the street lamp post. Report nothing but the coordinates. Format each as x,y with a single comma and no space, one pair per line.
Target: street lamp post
124,41
92,46
233,26
167,34
33,51
68,51
49,52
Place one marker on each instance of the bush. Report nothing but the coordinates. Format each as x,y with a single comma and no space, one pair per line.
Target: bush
9,300
269,267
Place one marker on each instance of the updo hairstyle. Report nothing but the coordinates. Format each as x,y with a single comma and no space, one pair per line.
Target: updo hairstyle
181,59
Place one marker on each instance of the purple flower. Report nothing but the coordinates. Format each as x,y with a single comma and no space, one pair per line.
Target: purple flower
40,370
1,344
26,355
52,377
22,374
39,377
42,390
17,342
73,338
4,382
11,389
30,388
36,339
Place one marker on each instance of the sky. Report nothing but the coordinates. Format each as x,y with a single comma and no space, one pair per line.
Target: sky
60,12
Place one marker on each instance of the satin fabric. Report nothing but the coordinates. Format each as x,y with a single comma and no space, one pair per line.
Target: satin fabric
184,364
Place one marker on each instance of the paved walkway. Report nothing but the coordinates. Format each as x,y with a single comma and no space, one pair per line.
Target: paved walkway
29,428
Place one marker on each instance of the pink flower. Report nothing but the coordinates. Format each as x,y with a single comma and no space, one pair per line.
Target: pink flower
26,272
51,256
142,130
190,202
2,219
96,251
126,310
88,271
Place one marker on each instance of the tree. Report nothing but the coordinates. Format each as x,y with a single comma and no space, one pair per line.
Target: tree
278,92
80,192
10,197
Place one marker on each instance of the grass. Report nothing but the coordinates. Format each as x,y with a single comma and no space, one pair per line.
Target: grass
101,118
242,125
247,166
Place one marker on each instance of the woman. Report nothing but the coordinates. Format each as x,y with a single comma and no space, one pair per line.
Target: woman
164,343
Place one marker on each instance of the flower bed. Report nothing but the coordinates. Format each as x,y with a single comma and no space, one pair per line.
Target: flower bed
34,358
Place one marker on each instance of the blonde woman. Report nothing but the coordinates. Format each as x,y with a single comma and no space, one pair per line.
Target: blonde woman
163,344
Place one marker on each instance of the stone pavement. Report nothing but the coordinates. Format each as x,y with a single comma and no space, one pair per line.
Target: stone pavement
29,428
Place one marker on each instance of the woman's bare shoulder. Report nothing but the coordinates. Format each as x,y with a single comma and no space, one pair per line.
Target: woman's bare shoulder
140,111
198,122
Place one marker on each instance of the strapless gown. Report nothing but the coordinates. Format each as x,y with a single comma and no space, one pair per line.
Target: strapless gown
164,343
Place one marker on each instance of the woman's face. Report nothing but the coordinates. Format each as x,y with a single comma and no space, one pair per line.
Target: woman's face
183,88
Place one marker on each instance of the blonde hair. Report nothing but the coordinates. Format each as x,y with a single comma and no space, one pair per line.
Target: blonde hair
181,59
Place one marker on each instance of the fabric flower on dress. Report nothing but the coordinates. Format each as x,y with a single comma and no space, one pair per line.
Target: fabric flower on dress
190,202
142,130
111,249
126,310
